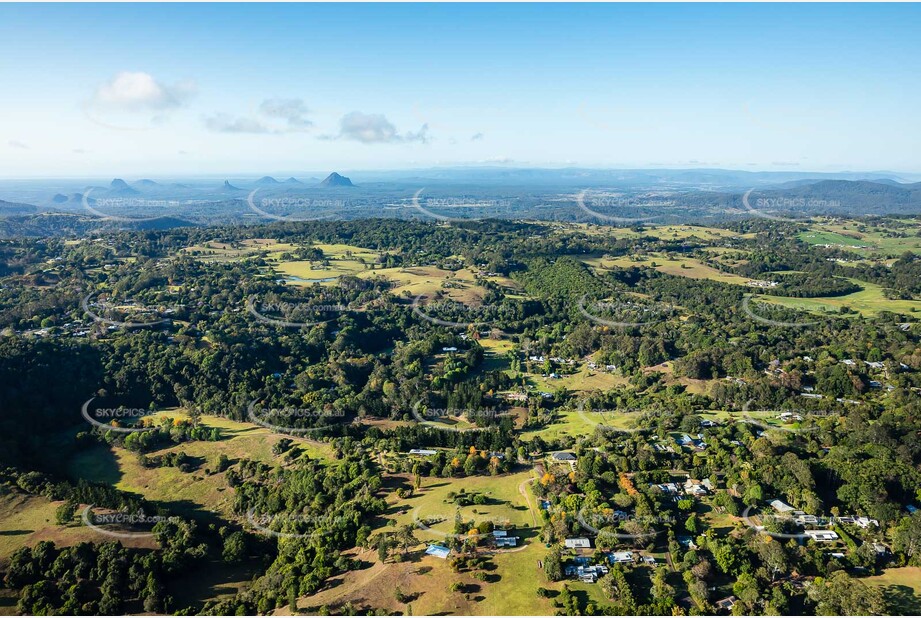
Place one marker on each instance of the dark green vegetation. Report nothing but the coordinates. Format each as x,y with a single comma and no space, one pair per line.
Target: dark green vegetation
548,352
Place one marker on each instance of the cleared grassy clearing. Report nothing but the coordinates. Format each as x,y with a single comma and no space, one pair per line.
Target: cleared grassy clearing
187,492
866,239
684,267
26,520
902,587
505,503
868,302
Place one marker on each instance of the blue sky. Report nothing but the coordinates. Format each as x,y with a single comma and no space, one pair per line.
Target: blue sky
220,89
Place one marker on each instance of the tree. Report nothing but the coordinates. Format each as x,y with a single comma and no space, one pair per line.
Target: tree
65,513
553,564
234,547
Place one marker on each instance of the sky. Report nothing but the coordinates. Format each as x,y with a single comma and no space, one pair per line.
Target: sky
170,89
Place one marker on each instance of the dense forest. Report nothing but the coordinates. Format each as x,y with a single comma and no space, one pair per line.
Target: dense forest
135,322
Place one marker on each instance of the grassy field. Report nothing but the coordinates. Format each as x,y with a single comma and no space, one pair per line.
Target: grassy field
902,587
187,493
665,232
26,520
684,267
505,503
575,423
216,251
866,239
868,302
513,578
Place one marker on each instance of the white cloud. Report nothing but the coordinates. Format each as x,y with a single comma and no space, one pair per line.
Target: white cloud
139,91
222,123
476,137
293,111
15,143
376,129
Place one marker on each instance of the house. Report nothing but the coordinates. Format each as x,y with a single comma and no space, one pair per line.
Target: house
421,451
439,551
822,535
667,488
577,543
449,349
686,541
694,487
804,520
866,522
587,574
506,541
781,507
563,456
726,604
620,556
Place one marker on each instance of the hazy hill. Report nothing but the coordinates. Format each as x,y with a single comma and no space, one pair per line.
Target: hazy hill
336,180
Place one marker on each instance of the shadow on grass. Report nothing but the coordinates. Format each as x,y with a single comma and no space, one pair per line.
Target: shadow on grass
902,600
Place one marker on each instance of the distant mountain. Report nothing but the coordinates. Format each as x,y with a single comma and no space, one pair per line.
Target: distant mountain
335,180
229,187
293,181
266,181
59,198
10,209
854,197
145,182
119,187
